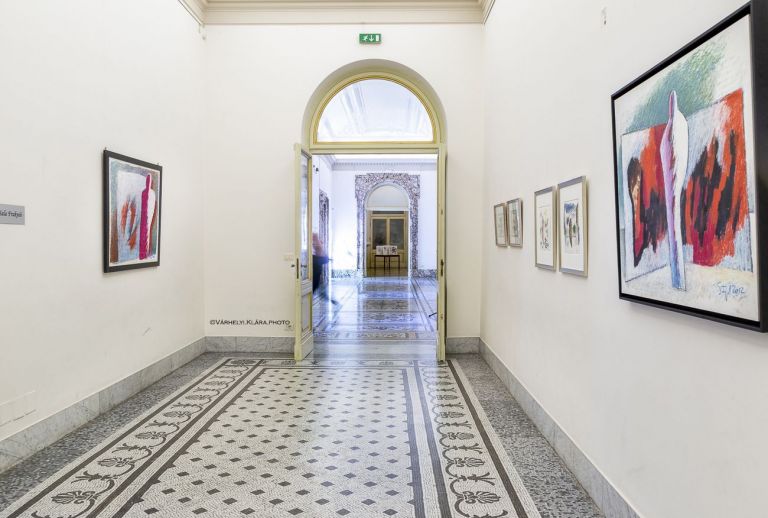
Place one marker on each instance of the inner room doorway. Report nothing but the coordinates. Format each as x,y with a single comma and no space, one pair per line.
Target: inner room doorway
386,231
378,138
379,287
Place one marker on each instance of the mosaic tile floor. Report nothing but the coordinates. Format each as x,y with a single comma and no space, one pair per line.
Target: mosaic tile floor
377,308
325,438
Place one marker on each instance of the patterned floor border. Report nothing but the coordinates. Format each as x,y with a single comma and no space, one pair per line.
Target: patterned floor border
467,458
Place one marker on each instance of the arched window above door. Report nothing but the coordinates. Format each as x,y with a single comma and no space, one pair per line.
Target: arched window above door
387,197
375,110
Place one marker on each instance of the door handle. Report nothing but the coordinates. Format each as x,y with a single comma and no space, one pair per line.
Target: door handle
297,268
442,268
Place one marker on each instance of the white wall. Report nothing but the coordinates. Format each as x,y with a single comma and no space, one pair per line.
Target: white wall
260,80
344,221
671,408
79,77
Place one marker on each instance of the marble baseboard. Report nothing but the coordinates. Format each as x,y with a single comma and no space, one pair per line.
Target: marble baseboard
425,274
44,433
462,345
605,495
249,344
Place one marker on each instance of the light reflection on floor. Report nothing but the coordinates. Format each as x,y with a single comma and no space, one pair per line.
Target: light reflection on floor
377,308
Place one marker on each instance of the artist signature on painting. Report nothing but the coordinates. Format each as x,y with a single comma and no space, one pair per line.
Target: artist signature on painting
730,291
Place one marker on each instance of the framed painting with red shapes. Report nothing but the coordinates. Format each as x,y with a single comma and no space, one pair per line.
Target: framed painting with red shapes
132,194
691,172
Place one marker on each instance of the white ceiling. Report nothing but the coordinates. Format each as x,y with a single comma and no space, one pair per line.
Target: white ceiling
375,110
338,11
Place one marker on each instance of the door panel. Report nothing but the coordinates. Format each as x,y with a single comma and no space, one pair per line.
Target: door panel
398,237
441,266
397,233
389,229
303,245
379,231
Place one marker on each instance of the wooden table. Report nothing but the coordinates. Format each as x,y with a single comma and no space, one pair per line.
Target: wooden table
387,261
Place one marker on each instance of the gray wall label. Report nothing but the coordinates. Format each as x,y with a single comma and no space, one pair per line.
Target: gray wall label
11,214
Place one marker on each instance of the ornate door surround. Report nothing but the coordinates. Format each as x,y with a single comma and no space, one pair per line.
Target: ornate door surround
365,184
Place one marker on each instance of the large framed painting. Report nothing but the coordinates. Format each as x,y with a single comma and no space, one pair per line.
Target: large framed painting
545,229
132,194
500,224
515,222
691,176
573,224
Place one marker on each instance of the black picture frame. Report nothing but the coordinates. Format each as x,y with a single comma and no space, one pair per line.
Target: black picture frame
109,264
757,10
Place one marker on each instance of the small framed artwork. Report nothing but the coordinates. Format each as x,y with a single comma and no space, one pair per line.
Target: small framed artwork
545,230
132,194
691,176
515,222
573,225
500,224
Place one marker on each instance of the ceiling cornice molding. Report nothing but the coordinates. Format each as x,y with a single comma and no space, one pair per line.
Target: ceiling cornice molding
298,12
486,6
330,160
196,8
411,166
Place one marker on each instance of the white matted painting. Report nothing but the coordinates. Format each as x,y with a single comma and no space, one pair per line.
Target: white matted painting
572,219
500,224
545,228
515,222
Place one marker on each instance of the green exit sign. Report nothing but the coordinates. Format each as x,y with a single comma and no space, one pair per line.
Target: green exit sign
370,39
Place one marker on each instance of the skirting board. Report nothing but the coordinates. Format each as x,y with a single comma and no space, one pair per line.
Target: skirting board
462,345
607,497
34,438
249,344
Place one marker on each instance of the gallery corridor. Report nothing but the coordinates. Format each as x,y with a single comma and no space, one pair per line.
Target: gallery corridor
383,259
245,435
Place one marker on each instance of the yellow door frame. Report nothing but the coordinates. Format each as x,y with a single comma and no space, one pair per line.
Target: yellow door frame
436,146
403,252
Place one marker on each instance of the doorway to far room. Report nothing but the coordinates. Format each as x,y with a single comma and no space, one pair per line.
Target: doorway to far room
375,219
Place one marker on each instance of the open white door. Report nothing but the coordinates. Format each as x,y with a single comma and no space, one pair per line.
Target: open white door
303,262
441,292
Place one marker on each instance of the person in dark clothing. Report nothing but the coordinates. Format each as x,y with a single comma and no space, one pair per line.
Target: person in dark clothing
319,259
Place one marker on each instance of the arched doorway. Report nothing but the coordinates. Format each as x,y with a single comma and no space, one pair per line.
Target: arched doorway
404,118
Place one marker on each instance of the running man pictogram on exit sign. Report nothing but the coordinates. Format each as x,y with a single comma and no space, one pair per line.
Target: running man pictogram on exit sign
370,39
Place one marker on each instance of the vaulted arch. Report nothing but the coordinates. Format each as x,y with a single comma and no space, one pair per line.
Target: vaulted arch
347,82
